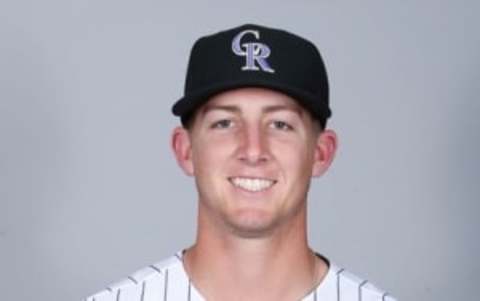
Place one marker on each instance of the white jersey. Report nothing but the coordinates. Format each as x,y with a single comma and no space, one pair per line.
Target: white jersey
168,281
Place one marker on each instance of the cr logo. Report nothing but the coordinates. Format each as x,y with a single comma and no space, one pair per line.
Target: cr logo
254,52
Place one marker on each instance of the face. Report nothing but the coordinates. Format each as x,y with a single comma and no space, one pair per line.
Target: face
253,152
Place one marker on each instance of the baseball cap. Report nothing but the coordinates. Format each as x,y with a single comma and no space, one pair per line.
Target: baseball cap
255,56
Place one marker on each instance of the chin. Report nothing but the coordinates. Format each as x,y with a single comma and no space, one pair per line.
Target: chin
252,226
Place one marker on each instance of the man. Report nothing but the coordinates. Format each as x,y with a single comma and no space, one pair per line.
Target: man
253,135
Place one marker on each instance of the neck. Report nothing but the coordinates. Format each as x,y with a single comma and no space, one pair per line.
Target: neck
278,266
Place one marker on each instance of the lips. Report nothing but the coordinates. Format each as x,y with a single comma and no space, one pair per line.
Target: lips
252,184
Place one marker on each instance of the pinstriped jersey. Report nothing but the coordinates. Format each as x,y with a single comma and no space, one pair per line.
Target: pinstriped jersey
168,281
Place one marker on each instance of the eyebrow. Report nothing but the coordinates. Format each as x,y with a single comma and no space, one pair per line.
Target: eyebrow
275,108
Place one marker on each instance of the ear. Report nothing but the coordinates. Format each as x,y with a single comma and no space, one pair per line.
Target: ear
182,148
326,146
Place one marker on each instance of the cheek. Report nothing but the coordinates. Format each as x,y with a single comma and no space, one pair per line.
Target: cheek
296,158
210,154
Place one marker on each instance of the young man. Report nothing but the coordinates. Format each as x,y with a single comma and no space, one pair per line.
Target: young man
253,135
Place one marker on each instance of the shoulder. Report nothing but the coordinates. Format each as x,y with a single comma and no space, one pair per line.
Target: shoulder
145,284
344,285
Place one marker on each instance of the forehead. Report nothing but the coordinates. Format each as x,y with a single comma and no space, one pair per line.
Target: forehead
244,100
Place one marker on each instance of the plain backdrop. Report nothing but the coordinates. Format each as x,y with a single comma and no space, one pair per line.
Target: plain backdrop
90,191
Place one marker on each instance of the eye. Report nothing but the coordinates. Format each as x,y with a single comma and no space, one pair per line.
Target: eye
281,125
222,124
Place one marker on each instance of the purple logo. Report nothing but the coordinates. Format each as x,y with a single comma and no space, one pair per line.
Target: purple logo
255,52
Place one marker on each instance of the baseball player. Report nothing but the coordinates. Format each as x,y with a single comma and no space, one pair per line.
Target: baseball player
253,135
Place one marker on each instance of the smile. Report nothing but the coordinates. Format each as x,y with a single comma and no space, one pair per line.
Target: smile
252,184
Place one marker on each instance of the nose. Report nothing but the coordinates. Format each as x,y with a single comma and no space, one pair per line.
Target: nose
253,148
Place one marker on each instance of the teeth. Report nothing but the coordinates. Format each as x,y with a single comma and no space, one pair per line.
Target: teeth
252,184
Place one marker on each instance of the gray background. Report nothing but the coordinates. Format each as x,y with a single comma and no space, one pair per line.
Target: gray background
89,190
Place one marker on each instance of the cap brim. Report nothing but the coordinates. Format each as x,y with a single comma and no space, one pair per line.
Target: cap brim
189,103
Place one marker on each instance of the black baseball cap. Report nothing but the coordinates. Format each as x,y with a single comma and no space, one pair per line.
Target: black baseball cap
255,56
